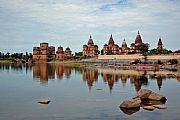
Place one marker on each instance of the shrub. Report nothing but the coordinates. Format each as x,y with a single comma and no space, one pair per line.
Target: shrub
173,61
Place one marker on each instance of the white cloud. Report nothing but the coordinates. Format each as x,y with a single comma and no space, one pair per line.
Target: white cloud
73,20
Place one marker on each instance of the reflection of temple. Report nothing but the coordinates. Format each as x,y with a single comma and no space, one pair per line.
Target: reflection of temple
90,76
59,71
138,81
67,71
44,72
110,79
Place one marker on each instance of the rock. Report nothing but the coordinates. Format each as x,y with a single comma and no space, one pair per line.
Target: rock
163,106
44,101
99,89
145,94
130,111
149,108
132,103
156,96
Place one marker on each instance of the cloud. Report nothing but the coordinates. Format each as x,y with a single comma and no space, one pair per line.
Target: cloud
69,20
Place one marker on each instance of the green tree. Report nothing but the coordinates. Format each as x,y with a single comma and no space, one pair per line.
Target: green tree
143,47
109,52
173,61
102,52
78,53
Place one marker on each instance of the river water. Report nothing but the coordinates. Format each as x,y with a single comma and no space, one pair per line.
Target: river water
82,93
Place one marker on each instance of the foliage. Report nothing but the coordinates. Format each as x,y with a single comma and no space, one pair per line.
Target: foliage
143,47
102,52
7,55
131,52
78,53
136,61
162,51
159,62
109,52
173,61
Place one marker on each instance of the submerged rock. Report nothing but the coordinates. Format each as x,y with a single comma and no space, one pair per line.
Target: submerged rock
163,106
44,101
132,103
149,108
130,111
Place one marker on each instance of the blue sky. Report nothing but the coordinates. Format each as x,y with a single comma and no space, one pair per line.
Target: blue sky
26,23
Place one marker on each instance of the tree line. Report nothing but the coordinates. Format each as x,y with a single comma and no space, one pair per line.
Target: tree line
9,56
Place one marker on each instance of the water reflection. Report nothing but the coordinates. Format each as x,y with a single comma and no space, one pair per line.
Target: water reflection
45,72
90,75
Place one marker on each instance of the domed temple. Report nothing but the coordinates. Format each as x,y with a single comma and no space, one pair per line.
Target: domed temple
113,49
90,49
60,54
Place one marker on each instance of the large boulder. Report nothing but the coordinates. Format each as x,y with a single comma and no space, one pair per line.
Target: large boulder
145,94
132,103
156,96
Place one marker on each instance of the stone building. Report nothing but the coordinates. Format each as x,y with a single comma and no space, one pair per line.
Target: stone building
160,44
124,49
60,54
134,46
90,49
67,52
44,52
112,48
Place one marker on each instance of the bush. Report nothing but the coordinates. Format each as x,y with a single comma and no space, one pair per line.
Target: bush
159,62
136,61
173,61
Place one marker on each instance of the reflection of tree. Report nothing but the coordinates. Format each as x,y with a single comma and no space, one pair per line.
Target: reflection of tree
138,81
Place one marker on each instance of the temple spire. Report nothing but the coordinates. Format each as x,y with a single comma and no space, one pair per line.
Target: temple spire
111,41
138,32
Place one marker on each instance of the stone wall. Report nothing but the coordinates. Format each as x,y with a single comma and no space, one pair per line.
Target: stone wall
137,56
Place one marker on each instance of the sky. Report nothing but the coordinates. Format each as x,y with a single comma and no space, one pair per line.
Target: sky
68,23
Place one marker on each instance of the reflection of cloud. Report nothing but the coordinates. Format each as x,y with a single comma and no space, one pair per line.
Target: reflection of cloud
74,20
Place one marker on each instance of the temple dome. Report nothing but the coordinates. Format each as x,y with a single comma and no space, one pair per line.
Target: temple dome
124,43
90,41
